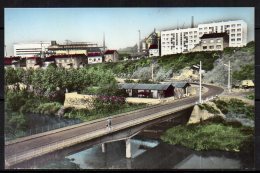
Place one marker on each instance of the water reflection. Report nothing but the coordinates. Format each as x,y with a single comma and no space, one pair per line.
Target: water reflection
153,154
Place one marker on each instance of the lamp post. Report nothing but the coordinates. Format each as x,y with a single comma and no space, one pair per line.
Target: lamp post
200,69
229,77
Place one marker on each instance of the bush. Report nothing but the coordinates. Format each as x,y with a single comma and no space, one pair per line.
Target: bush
209,136
208,108
48,108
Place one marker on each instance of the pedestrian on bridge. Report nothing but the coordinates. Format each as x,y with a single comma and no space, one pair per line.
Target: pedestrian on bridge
109,123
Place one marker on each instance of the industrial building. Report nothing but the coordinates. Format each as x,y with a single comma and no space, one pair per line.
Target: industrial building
72,48
31,49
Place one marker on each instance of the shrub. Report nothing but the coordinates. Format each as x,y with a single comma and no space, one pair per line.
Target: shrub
48,108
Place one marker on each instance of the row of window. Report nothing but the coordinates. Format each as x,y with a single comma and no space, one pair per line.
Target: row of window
226,26
211,47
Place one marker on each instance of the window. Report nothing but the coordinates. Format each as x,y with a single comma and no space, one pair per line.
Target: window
233,25
218,40
205,28
238,39
200,33
204,47
200,29
190,32
211,47
232,35
232,39
218,46
211,41
239,29
233,30
239,34
195,36
238,24
205,32
195,32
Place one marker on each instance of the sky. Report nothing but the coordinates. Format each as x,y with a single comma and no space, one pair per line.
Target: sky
120,25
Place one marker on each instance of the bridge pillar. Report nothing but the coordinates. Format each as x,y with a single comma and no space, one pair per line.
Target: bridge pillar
128,148
103,146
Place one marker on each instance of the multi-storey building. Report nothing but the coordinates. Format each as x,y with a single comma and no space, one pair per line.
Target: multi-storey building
30,49
184,40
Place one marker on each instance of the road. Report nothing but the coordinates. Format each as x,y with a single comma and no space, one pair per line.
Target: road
34,143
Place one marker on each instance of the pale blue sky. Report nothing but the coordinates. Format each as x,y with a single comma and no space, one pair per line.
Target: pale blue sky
120,25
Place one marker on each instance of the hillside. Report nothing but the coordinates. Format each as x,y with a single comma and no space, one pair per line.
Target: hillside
169,66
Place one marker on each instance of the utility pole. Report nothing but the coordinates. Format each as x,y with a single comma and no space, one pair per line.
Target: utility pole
200,84
139,40
200,72
229,76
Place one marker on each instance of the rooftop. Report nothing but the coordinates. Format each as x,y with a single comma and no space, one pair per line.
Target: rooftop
110,52
144,86
214,35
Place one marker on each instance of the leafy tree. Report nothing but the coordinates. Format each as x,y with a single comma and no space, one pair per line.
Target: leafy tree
245,73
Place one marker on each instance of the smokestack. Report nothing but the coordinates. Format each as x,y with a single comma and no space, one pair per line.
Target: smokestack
192,22
139,45
104,43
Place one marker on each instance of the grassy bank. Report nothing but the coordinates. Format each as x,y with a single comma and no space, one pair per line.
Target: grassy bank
235,106
212,134
88,115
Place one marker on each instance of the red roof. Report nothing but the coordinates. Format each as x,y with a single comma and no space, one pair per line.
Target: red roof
153,46
33,58
92,54
52,57
8,61
110,52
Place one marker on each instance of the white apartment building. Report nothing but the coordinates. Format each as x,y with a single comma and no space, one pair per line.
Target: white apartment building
184,40
30,49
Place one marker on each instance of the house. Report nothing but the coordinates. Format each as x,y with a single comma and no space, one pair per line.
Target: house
153,50
48,60
95,57
181,89
111,56
33,62
212,42
13,62
69,61
148,90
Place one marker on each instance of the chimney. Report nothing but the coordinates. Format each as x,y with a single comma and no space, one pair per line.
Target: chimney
104,44
192,22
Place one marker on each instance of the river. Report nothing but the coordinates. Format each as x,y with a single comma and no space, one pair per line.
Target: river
148,152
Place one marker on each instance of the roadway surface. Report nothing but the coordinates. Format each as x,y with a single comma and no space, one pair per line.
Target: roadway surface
34,143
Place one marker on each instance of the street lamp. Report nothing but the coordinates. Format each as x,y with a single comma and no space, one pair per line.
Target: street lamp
229,78
199,67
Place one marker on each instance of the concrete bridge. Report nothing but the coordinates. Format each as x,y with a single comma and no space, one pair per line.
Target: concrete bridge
124,126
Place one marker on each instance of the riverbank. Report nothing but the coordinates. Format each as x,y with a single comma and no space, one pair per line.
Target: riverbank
233,131
211,134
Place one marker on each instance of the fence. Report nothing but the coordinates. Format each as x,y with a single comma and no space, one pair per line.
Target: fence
42,129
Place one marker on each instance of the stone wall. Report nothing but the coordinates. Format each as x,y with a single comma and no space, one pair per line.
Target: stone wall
78,101
198,115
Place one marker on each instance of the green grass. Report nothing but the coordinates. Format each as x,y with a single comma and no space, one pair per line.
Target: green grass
209,108
210,135
251,96
89,115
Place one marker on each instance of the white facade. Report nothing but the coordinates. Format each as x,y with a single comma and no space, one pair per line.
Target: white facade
30,49
153,52
184,40
94,59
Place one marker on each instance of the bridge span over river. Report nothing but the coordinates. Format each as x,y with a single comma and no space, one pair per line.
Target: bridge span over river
124,126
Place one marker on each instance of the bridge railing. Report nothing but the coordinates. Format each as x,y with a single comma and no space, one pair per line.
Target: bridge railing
26,155
43,129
